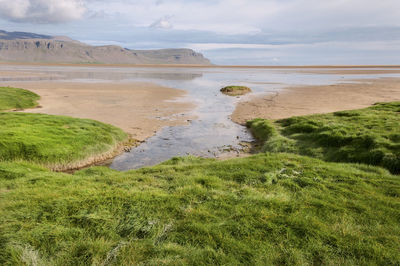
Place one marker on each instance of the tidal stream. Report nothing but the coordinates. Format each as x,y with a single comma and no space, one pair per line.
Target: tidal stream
211,133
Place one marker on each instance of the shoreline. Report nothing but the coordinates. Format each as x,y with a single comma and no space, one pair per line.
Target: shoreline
138,108
202,66
95,160
307,100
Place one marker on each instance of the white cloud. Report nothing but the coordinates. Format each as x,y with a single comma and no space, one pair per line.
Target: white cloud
162,23
324,53
361,46
222,16
42,11
213,46
252,16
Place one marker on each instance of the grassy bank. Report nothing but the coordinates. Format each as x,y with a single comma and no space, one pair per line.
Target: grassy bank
369,136
57,142
269,208
14,98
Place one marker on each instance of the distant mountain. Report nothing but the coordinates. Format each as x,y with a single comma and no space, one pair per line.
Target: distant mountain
31,47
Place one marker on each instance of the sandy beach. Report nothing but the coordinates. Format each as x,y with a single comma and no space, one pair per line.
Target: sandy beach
305,100
140,109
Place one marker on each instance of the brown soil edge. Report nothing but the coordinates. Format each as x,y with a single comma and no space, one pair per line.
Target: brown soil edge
116,150
37,106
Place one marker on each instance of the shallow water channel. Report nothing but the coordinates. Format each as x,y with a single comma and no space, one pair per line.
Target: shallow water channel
211,133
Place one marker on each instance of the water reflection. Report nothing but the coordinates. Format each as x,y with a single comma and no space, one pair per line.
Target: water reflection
94,74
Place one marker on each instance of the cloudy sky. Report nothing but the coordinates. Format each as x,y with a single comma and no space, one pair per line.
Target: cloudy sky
259,32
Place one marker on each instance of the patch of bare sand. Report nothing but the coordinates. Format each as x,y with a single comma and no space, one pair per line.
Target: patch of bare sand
305,100
140,109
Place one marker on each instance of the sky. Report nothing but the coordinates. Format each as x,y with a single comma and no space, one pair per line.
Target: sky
228,32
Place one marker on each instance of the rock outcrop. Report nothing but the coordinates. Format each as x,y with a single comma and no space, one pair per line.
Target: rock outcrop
30,47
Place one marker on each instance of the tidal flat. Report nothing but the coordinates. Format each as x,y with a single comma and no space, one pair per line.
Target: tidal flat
179,110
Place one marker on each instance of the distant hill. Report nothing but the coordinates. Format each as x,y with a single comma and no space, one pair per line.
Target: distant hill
4,35
37,48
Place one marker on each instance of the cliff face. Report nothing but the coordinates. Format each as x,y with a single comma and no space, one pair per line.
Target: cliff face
26,47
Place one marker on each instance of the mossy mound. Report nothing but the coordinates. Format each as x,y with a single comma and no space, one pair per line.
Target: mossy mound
235,90
14,98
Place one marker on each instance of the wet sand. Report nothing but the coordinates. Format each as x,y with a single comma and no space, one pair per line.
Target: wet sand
13,74
305,100
392,68
350,71
140,109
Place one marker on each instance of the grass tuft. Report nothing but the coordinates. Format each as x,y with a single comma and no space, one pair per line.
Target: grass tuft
17,99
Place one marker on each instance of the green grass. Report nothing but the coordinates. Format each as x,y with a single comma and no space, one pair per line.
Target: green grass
57,142
54,141
370,136
277,209
13,98
235,90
